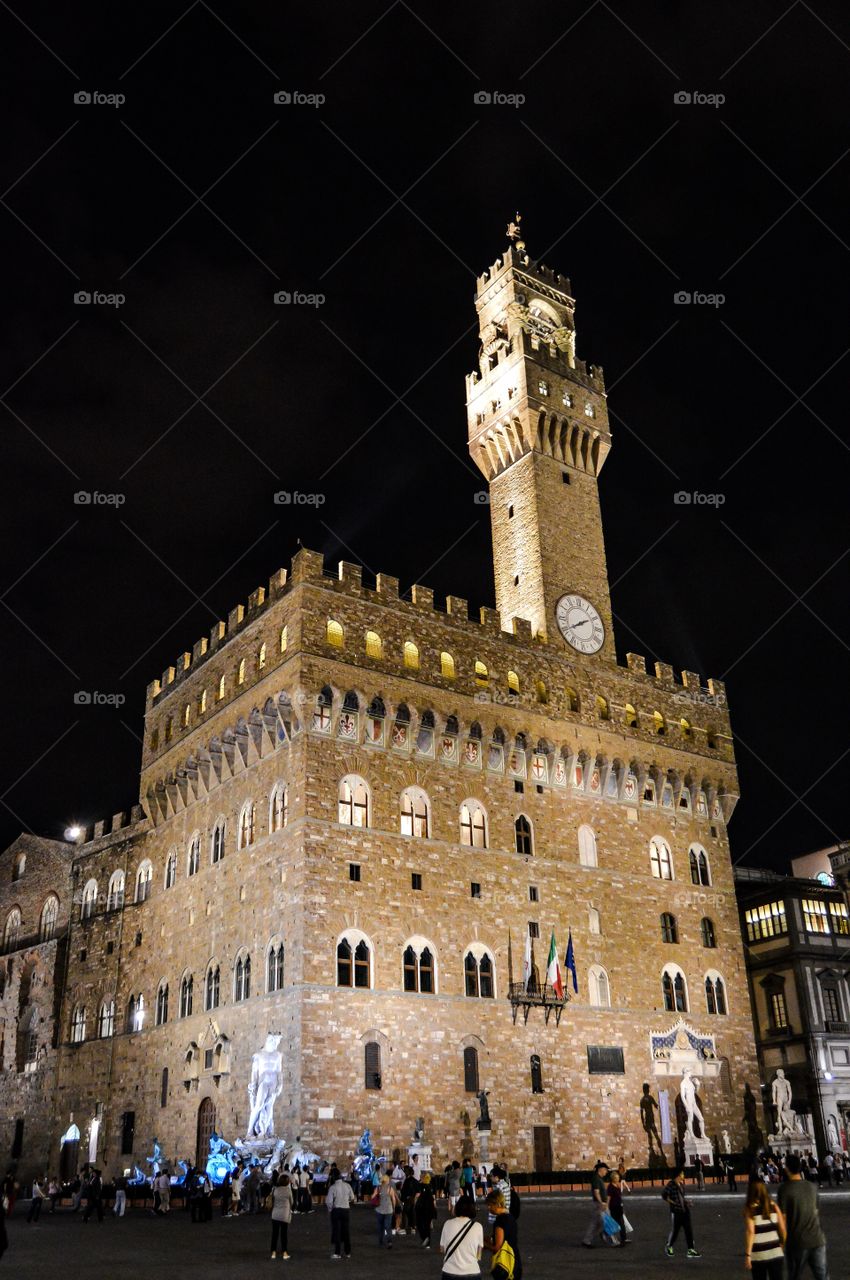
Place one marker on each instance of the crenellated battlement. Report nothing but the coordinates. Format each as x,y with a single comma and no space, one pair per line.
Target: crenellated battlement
520,261
106,830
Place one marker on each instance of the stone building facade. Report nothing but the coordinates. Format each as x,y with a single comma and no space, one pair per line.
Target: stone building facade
355,806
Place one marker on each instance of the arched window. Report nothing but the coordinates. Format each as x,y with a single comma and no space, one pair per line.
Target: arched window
523,840
170,869
587,854
187,712
353,960
411,655
106,1019
698,860
12,931
187,995
602,708
19,866
415,812
279,807
706,928
49,916
541,692
334,634
261,657
482,675
247,824
242,977
711,739
669,928
144,878
136,1013
660,859
221,689
674,989
513,684
658,722
478,972
473,825
115,898
715,993
212,986
202,702
217,842
594,924
470,1070
630,716
89,903
240,672
374,645
447,666
274,966
598,987
353,801
284,639
418,967
536,1074
78,1024
570,698
162,1004
685,726
372,1064
193,855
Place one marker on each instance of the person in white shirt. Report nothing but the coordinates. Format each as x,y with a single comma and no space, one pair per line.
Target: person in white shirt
461,1242
339,1200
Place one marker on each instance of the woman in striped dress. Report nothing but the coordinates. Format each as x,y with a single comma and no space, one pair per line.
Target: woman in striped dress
764,1234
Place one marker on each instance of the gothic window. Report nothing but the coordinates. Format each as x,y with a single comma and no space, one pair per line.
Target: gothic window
353,801
78,1024
242,977
418,967
274,967
542,387
473,825
372,1064
217,842
144,878
136,1013
212,987
706,928
240,672
374,645
630,716
447,666
193,855
536,1074
715,993
154,741
478,973
523,839
711,739
660,859
162,1004
353,961
187,994
603,711
598,987
247,824
106,1019
513,684
261,657
674,990
279,807
411,655
698,862
470,1070
587,854
49,916
415,812
669,928
115,897
89,903
334,634
171,869
19,866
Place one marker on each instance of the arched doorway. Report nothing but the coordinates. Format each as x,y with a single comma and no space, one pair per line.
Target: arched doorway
69,1153
206,1127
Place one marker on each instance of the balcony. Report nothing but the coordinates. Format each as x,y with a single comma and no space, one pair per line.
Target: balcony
539,997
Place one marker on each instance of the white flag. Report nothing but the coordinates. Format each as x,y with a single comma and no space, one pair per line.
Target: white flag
526,964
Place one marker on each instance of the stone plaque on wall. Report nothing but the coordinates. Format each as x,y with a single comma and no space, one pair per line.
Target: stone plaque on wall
605,1060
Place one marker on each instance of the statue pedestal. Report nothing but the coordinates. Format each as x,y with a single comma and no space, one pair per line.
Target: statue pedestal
783,1143
423,1163
484,1145
693,1146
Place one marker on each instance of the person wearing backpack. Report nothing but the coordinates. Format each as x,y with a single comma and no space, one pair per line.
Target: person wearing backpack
461,1242
504,1242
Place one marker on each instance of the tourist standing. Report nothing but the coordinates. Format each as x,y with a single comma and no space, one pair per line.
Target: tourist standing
409,1191
453,1184
599,1198
680,1215
120,1206
338,1201
425,1210
281,1213
385,1210
10,1191
52,1194
163,1184
467,1179
461,1242
615,1204
505,1231
226,1195
37,1197
236,1192
94,1196
805,1241
764,1234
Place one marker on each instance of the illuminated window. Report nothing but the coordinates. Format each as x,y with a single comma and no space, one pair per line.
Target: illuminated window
587,854
589,411
411,655
513,683
598,987
187,712
541,692
542,387
279,808
418,967
778,1011
49,916
353,961
473,825
221,687
659,724
374,645
353,808
669,928
217,842
136,1013
685,726
523,839
838,915
144,878
115,897
284,639
570,698
12,931
261,657
602,709
247,824
765,921
240,672
274,966
674,990
78,1024
414,812
89,904
106,1019
447,666
630,716
660,859
478,971
334,634
481,673
815,916
161,1015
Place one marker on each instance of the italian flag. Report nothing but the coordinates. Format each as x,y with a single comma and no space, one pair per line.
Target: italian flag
553,969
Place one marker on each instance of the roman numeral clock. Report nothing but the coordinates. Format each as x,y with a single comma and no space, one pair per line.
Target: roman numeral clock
580,624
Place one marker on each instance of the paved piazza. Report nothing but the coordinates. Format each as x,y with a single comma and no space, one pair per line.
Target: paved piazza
550,1228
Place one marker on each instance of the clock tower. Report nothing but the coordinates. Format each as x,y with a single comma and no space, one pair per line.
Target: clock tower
538,431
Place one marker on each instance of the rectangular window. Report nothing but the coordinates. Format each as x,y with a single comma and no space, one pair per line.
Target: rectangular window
83,954
208,1059
815,916
354,871
533,929
415,880
766,921
373,1065
128,1132
519,786
838,915
778,1012
533,895
476,889
831,1007
18,1140
470,1070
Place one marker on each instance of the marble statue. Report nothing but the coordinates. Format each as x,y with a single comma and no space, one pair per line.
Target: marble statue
484,1118
648,1107
419,1130
727,1145
832,1134
155,1161
265,1087
222,1159
688,1094
786,1117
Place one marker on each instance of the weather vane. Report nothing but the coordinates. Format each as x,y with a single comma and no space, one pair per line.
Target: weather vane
514,232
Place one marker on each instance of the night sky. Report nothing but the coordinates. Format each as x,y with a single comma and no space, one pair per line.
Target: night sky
196,399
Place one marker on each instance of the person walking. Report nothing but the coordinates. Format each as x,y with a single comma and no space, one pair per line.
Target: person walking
281,1214
163,1184
409,1191
505,1231
385,1210
37,1198
425,1210
805,1241
236,1192
615,1204
461,1242
119,1208
94,1196
10,1191
764,1234
453,1185
680,1215
599,1197
339,1200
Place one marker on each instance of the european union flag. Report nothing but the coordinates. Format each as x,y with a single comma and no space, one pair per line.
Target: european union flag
570,962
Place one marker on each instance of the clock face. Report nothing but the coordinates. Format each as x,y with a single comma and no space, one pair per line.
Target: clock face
580,624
